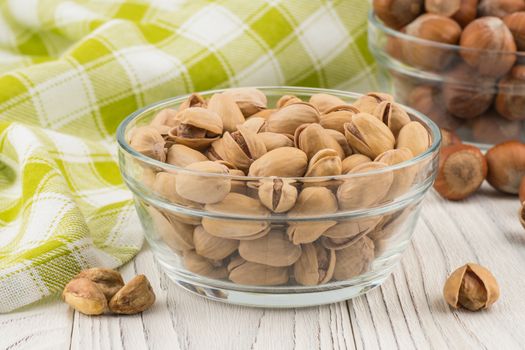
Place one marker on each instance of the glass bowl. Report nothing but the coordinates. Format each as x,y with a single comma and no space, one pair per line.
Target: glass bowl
484,102
343,236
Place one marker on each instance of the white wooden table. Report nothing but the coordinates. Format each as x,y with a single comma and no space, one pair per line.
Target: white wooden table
407,312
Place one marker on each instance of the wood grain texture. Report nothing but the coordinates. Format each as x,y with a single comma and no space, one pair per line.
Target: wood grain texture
407,312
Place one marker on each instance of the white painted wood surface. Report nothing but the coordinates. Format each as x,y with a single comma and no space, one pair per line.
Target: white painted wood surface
407,312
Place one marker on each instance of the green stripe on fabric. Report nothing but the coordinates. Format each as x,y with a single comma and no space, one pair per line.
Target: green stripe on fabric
90,50
272,27
10,87
131,11
207,73
114,112
33,46
109,171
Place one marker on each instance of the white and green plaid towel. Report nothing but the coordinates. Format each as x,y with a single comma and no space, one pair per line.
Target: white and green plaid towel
70,71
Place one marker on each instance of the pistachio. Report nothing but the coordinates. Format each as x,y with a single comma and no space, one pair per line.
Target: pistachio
212,247
290,117
217,151
283,161
237,229
164,120
148,141
472,287
255,124
286,100
165,187
364,191
274,249
348,232
203,266
352,161
201,188
326,162
85,296
311,138
254,274
193,100
336,117
368,103
224,105
315,266
324,102
415,137
403,177
354,259
368,135
196,128
242,147
274,140
277,195
263,114
108,281
393,115
250,100
311,201
341,140
136,296
182,156
177,235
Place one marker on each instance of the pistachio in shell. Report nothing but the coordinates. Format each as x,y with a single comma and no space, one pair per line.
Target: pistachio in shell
254,274
326,162
196,127
193,100
226,108
336,117
203,266
255,124
176,235
368,135
368,103
393,115
341,140
348,232
403,177
217,151
164,120
277,195
311,138
136,296
242,147
311,201
274,140
273,249
201,188
286,100
211,247
415,137
182,156
352,161
290,117
354,259
250,100
315,266
283,161
148,141
325,102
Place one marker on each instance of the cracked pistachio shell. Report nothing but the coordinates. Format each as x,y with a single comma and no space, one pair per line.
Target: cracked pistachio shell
193,100
277,195
274,249
255,124
472,287
393,115
136,296
286,100
284,162
217,151
347,233
311,138
148,141
202,188
254,274
242,147
354,259
235,203
250,100
290,117
164,120
182,156
368,135
212,247
336,117
312,201
415,137
178,236
315,266
364,191
203,266
354,160
274,140
224,105
326,162
404,177
196,127
368,103
324,102
341,140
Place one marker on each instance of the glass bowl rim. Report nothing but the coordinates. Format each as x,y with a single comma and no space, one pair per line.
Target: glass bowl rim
125,146
376,22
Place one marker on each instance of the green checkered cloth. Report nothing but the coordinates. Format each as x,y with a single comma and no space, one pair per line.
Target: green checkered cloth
71,71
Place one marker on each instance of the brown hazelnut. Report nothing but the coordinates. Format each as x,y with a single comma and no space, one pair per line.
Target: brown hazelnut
465,93
488,34
467,12
521,214
506,166
462,170
510,101
397,13
431,27
522,190
472,287
449,138
442,7
490,128
516,23
500,8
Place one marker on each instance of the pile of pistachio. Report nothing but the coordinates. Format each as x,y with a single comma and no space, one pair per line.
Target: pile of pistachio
236,133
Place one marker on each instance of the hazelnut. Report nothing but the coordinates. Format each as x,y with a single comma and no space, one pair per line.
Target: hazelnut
462,170
522,190
510,101
500,8
490,128
516,23
431,27
468,10
85,296
136,296
466,94
472,287
449,138
506,166
488,34
397,13
442,7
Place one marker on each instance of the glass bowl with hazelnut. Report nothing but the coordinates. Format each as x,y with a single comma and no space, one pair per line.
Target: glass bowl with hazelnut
461,62
278,196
